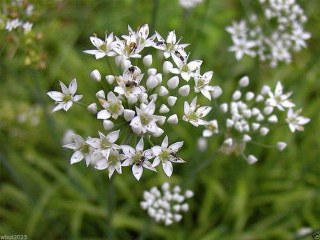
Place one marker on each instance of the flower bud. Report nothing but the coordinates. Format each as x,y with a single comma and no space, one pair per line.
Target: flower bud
164,109
246,138
95,75
216,92
273,119
92,108
152,71
281,146
252,159
110,79
147,60
229,123
264,131
173,82
101,94
202,145
173,119
244,81
153,97
107,124
167,67
152,82
249,96
228,142
236,95
184,90
163,91
224,107
172,100
128,114
268,110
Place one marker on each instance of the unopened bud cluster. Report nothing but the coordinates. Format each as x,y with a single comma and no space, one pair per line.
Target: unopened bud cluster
166,205
250,116
285,19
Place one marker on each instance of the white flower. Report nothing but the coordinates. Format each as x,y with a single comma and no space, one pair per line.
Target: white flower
187,70
111,162
189,4
296,121
279,99
138,158
81,150
145,121
167,155
202,83
104,48
211,128
104,143
194,113
66,98
241,47
112,107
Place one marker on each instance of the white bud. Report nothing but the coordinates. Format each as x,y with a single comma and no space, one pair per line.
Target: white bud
246,138
244,81
128,114
153,97
168,221
125,64
159,77
202,144
281,146
173,119
107,124
252,159
173,82
177,217
255,126
164,109
101,94
264,131
172,100
236,95
265,89
259,98
216,92
110,79
167,67
163,91
176,189
158,133
147,60
132,99
224,107
92,108
152,82
177,207
249,96
152,71
185,207
188,194
228,142
184,90
161,120
273,119
268,110
165,186
255,111
229,123
260,118
95,75
143,97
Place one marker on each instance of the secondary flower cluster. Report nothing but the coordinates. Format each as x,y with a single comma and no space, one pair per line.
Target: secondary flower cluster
249,115
166,205
254,37
14,14
139,101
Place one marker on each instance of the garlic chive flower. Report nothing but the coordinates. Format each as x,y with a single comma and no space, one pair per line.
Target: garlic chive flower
66,98
139,101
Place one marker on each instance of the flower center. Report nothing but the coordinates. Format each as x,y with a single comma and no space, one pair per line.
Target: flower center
164,155
145,119
105,144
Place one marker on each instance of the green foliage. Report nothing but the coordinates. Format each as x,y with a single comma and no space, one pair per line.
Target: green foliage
45,198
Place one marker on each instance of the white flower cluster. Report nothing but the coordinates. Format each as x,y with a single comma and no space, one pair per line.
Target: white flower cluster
189,4
14,12
255,39
139,101
166,205
248,115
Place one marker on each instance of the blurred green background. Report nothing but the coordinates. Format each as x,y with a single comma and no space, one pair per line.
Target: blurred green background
42,196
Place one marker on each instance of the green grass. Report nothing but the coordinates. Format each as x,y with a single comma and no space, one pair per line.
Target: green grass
45,198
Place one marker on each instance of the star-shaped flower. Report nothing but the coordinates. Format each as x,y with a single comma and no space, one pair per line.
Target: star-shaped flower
279,99
104,48
296,121
138,158
67,97
167,155
112,107
194,113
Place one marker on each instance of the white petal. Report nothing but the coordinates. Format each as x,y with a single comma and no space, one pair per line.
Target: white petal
103,114
175,146
167,168
73,87
140,146
113,136
164,142
57,96
156,150
76,157
137,171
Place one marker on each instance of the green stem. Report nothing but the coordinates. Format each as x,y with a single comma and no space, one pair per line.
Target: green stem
154,15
